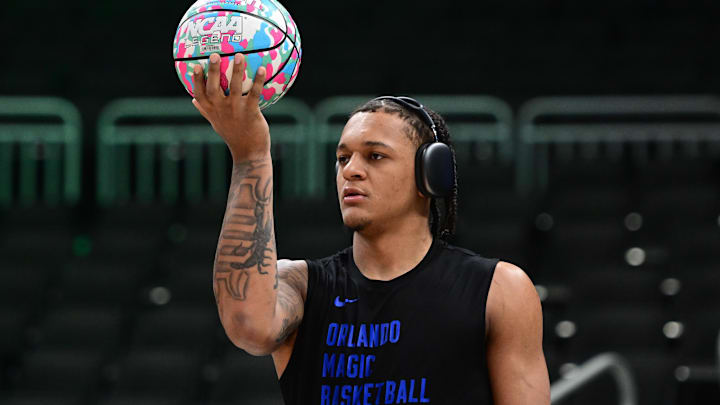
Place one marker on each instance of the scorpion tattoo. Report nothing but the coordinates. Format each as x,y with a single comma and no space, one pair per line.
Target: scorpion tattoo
247,233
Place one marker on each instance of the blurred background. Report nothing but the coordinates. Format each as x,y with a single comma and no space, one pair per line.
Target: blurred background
588,144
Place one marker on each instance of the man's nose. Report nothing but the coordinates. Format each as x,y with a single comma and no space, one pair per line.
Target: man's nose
354,168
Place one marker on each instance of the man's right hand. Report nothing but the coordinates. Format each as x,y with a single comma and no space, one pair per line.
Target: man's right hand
236,117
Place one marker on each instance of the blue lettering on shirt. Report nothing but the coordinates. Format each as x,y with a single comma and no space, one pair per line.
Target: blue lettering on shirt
389,392
332,334
401,393
342,334
412,399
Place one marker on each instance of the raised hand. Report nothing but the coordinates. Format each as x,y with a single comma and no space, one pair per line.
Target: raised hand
235,117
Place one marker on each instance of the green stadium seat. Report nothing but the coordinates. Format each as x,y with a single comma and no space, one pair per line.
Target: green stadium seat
164,150
40,151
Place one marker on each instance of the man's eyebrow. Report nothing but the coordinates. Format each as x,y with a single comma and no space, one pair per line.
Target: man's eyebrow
378,143
368,143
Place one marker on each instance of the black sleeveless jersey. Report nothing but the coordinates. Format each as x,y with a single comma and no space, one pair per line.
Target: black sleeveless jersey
418,338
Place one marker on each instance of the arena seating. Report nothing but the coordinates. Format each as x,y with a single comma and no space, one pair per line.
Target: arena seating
610,206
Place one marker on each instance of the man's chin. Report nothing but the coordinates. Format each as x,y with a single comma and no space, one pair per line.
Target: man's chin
357,224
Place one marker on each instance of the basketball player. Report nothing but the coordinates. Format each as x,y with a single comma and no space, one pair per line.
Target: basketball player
401,316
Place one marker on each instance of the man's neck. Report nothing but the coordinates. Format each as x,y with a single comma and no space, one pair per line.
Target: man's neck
387,255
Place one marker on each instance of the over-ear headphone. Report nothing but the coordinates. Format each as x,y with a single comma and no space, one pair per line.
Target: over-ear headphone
434,169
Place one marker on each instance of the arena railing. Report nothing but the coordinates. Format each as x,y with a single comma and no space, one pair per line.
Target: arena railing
136,135
472,119
614,122
40,134
589,371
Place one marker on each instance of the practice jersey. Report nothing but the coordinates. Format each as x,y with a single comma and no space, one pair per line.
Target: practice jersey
418,338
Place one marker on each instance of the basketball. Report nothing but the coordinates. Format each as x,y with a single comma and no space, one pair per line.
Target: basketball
262,30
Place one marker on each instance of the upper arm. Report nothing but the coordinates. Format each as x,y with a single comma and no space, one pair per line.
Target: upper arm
291,295
518,372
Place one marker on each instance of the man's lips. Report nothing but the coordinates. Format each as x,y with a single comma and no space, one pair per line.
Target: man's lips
352,194
353,198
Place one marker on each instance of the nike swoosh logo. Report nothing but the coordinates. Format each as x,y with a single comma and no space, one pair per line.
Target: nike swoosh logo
341,304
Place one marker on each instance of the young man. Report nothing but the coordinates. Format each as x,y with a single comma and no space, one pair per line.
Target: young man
399,317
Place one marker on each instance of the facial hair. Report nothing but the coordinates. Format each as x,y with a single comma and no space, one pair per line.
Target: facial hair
359,224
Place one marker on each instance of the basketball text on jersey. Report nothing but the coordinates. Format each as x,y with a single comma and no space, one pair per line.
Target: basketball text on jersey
360,365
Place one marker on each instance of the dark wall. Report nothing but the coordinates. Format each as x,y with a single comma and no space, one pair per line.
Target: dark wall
94,51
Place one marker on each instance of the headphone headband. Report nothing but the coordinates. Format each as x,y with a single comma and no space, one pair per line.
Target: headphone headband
434,167
416,107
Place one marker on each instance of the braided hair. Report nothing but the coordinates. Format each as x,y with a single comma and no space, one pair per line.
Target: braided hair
443,211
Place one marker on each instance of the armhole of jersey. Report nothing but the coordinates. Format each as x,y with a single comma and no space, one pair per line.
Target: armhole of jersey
492,268
312,274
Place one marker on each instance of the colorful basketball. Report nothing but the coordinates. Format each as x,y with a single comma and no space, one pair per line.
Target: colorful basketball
260,29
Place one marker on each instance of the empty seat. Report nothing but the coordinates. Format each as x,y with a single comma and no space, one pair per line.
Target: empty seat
616,285
60,372
654,375
651,371
700,333
661,173
140,400
478,203
22,287
80,328
178,327
700,287
610,203
127,245
574,245
667,207
169,374
40,246
190,283
570,173
198,242
693,245
92,284
619,328
40,399
697,384
131,234
274,399
12,325
504,239
485,173
244,379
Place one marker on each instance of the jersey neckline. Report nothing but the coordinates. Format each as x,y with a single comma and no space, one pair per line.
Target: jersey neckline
376,284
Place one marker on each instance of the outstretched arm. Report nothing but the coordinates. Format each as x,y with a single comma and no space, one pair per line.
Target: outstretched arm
256,309
518,372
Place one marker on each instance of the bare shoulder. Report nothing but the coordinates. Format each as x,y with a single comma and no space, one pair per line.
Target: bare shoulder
294,274
512,297
516,363
511,277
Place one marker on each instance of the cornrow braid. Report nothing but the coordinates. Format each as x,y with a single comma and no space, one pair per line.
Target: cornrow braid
443,211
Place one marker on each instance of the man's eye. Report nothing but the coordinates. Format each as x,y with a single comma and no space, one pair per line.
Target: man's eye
376,156
342,159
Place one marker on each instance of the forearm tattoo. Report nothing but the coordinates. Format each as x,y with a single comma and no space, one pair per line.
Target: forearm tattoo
247,240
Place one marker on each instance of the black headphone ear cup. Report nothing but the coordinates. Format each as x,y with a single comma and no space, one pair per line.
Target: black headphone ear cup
434,171
420,178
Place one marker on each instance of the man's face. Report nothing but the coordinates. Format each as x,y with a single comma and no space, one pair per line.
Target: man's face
376,172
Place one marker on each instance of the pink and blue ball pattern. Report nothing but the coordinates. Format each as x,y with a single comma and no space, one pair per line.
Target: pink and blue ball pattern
260,29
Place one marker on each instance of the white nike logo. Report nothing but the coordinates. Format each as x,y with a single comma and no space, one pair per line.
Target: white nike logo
341,304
